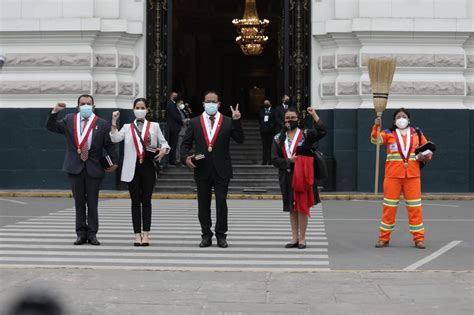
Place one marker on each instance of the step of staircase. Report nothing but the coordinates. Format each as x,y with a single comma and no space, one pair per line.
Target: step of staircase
249,176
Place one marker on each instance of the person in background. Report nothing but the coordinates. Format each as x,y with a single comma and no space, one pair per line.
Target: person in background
402,175
292,155
174,124
87,136
186,117
280,113
266,120
144,144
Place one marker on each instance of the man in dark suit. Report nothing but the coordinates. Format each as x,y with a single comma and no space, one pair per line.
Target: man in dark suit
266,120
174,123
280,113
87,136
211,133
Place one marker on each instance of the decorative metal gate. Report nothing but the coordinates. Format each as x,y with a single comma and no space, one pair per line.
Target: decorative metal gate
297,54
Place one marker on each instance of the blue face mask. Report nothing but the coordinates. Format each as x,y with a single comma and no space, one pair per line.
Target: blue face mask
210,108
85,111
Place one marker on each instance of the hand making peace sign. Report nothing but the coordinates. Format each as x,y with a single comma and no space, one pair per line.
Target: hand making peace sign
235,112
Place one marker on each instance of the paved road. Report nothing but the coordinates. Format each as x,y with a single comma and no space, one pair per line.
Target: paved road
38,233
340,237
258,231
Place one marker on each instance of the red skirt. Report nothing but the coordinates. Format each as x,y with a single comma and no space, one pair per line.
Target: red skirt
303,180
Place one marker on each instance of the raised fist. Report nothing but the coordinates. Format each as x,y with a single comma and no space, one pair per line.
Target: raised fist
115,115
59,107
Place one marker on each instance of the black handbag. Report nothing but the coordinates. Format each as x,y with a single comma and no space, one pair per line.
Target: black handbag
320,167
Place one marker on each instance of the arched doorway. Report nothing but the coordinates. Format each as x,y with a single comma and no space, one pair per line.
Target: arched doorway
191,48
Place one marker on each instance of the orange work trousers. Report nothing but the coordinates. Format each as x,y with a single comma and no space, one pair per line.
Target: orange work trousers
411,189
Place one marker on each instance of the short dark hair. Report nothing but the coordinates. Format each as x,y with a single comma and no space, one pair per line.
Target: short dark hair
141,99
400,110
211,92
85,95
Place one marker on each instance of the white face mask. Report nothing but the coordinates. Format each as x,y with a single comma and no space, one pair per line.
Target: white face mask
181,106
139,113
402,123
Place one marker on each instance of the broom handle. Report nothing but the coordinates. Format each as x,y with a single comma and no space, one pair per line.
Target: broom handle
377,158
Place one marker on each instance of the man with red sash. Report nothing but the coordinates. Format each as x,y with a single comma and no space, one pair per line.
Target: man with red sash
211,133
87,136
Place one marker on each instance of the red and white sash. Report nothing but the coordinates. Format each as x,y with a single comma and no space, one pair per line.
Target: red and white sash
289,151
404,148
80,139
144,136
210,134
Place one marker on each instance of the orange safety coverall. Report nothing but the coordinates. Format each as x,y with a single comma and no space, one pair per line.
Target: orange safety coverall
398,179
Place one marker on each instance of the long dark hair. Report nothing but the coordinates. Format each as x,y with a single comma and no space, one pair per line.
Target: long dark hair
400,110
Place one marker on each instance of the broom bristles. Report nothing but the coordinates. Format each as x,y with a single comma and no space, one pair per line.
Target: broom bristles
381,71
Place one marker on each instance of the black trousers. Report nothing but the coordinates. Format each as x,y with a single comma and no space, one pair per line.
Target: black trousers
85,190
267,139
204,194
173,142
141,190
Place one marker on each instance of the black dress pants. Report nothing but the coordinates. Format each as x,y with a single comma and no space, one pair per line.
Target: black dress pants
85,190
204,193
267,139
141,189
173,142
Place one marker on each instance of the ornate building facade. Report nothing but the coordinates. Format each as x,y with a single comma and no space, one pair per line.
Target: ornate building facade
57,49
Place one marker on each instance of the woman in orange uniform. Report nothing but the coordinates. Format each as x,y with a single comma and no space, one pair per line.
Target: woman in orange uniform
402,175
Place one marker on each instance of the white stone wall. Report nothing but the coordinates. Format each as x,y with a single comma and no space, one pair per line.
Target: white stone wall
58,49
433,42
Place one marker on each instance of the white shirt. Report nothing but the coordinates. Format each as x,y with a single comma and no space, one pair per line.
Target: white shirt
130,154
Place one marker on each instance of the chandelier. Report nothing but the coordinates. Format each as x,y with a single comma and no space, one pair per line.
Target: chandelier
250,29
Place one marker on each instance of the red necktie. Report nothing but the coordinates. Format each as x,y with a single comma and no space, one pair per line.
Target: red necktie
212,119
85,148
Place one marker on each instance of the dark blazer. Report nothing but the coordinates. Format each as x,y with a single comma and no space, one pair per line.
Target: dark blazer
219,158
269,126
100,141
279,114
285,167
173,117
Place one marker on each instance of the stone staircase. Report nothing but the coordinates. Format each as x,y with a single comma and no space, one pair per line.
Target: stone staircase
249,176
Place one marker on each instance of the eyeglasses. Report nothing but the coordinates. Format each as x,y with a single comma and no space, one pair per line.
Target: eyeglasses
291,119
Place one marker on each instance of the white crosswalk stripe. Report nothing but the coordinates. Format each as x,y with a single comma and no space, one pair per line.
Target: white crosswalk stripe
257,233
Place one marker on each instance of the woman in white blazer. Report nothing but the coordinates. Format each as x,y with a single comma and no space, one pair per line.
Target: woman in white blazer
144,142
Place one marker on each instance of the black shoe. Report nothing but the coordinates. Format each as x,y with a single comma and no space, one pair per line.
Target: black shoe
94,241
302,246
206,242
137,244
80,241
222,243
291,245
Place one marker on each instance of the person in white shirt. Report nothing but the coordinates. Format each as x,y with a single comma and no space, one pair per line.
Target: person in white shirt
144,145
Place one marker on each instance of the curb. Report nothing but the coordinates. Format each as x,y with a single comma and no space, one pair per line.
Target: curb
125,195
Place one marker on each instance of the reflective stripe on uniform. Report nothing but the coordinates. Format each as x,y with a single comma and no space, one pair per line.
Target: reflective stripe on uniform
390,202
413,202
398,157
387,227
417,228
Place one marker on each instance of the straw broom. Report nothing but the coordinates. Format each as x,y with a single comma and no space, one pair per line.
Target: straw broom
381,72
